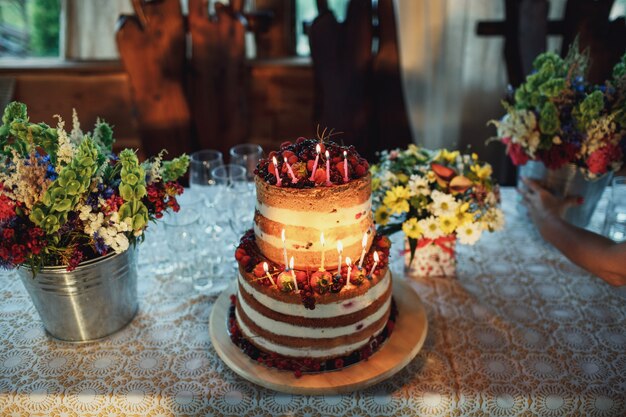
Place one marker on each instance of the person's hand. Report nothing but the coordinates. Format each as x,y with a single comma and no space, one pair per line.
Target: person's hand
542,205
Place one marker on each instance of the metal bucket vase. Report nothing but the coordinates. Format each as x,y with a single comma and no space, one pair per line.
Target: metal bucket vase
95,300
569,181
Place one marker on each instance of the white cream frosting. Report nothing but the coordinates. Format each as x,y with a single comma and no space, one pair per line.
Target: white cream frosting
286,329
321,311
303,352
293,242
316,220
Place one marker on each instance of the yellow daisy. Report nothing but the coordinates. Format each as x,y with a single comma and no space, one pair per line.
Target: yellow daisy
396,199
448,224
412,229
382,215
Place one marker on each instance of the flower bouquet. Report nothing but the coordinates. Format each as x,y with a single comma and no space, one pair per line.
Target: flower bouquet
68,202
565,130
435,198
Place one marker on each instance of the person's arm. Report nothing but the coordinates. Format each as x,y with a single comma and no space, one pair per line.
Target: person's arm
597,254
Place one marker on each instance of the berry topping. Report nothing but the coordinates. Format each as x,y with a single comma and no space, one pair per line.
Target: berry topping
301,156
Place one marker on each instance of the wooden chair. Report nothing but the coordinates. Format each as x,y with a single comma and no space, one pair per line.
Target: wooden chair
188,104
358,92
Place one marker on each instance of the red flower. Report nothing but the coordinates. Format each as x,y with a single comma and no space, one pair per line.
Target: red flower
515,151
7,207
558,155
8,234
600,159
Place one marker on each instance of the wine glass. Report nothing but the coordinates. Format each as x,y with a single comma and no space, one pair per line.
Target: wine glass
183,239
233,190
615,220
248,156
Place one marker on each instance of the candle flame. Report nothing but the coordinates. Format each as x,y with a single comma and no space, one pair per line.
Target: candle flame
322,239
327,155
376,256
345,154
318,148
348,261
282,235
285,159
274,160
291,263
339,246
265,267
364,241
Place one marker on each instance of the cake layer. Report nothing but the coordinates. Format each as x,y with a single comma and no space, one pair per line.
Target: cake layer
341,212
292,335
347,301
304,352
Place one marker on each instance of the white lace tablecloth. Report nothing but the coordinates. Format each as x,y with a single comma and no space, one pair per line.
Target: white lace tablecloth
520,332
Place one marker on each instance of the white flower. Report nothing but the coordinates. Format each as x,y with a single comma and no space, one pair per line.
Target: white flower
418,185
76,135
65,152
469,233
493,220
430,227
491,199
443,203
521,127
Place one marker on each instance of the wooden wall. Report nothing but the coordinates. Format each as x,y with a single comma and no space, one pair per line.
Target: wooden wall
280,95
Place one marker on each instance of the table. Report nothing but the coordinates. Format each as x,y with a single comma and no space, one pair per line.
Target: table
521,331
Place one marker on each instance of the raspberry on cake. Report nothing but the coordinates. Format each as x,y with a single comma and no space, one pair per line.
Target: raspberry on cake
311,196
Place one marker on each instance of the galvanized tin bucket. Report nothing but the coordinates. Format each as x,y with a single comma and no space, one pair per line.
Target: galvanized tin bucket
569,181
95,300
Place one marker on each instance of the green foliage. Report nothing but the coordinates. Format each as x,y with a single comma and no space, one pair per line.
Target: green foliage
103,136
619,71
45,27
547,82
132,190
17,133
549,122
66,191
588,110
174,169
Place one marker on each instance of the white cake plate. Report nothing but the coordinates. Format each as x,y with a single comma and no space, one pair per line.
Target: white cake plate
405,342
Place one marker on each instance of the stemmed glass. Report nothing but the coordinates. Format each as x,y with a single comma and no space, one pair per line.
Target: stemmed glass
182,234
615,221
230,181
202,163
247,155
201,181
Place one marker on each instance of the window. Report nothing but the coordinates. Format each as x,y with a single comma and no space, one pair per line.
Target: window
306,11
29,28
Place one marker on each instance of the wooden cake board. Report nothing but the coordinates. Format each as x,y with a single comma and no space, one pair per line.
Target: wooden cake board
405,342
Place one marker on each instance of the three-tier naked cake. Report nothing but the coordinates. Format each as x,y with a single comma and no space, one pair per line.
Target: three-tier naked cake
314,290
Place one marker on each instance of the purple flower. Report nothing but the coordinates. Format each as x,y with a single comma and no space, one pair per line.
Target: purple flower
101,247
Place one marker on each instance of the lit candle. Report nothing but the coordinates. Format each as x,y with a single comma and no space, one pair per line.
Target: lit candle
345,166
364,244
278,181
328,169
282,236
293,274
340,251
291,174
375,263
318,149
349,263
322,242
267,272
